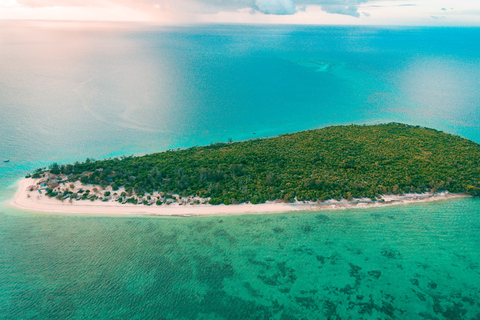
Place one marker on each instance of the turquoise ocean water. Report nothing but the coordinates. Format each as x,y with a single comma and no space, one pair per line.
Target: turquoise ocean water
77,91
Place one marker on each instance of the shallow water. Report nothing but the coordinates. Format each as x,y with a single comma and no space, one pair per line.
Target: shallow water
73,92
408,261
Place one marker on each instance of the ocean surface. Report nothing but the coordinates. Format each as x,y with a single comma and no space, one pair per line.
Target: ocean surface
71,91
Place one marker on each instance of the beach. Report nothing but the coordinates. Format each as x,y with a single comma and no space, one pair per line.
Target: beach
26,199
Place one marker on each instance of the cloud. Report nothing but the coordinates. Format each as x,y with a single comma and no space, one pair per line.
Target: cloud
341,9
268,7
273,7
279,7
392,5
57,3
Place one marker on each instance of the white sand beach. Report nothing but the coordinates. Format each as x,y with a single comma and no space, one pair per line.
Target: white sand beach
32,200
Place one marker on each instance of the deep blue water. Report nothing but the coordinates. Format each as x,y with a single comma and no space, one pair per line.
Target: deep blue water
70,92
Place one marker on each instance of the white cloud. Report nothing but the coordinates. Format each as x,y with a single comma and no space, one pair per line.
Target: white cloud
341,9
280,7
376,12
270,7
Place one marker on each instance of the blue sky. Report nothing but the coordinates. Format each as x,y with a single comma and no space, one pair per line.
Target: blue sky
362,12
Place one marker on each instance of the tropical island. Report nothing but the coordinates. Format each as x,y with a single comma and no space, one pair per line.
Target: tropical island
338,166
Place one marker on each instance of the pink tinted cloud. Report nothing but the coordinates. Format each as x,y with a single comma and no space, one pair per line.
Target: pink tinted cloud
270,7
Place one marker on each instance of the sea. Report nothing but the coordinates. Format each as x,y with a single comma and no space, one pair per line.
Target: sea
71,91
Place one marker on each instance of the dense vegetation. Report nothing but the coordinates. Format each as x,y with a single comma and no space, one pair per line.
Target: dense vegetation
335,162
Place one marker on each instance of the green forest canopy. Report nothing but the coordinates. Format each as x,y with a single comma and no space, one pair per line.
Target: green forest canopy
335,162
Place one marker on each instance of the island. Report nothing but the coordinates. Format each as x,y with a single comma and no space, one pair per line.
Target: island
327,168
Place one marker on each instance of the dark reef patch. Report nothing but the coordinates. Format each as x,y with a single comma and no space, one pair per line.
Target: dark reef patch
221,233
304,249
375,273
213,273
390,253
278,230
282,275
355,273
307,228
307,303
322,218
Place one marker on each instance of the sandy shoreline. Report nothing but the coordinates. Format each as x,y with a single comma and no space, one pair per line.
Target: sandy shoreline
34,201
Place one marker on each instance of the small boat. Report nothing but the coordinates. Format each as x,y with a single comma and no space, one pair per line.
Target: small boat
6,161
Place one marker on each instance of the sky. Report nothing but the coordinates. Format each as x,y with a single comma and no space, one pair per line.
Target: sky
342,12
